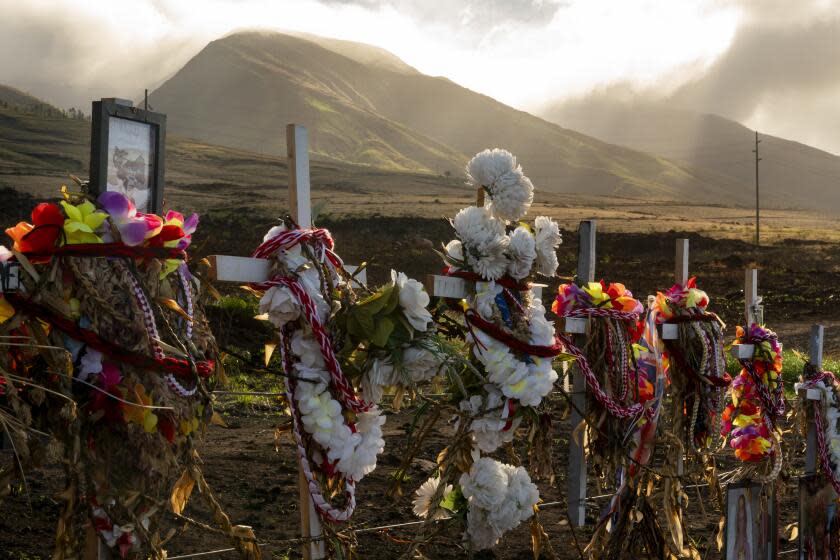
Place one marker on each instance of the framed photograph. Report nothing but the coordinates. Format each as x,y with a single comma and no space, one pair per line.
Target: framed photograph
127,150
751,522
819,519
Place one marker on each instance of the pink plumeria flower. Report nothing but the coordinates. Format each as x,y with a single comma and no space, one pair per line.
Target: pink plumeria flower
134,227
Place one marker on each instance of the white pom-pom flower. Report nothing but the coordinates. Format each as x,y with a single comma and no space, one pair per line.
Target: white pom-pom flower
522,253
511,192
413,301
484,242
486,484
548,238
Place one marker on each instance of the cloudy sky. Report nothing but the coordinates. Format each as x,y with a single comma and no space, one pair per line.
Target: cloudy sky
771,64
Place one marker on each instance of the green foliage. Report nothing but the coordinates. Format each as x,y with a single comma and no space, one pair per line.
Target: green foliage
377,320
454,501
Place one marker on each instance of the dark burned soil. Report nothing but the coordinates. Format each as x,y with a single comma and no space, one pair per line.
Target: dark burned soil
257,485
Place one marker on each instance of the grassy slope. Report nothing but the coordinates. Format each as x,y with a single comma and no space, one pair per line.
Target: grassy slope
242,89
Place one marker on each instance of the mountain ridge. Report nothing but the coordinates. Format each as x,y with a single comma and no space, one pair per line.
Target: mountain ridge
241,89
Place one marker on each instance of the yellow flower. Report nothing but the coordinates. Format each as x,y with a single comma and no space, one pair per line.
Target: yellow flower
6,310
596,292
82,222
140,415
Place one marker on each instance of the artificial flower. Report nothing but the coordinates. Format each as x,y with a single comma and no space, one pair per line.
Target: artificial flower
134,227
483,240
547,239
420,364
413,301
82,223
280,305
139,413
510,191
522,251
422,503
42,234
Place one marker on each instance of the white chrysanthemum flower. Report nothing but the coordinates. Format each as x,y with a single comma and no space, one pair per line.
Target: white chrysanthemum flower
455,250
307,349
486,484
511,192
423,500
378,376
420,364
548,238
485,299
281,306
488,425
522,253
413,300
484,242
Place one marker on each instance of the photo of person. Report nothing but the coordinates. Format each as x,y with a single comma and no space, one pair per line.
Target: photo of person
130,159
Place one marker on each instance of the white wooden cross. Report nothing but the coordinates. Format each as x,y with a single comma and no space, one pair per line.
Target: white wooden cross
815,351
246,270
576,475
670,331
753,314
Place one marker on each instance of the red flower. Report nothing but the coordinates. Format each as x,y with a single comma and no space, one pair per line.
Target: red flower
48,221
167,233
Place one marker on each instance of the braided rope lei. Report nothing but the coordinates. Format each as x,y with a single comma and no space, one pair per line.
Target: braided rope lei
607,401
829,383
322,242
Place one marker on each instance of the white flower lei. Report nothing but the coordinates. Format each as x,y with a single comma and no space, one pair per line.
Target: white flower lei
351,448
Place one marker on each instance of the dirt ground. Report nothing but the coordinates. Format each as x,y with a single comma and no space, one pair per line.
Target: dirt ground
799,280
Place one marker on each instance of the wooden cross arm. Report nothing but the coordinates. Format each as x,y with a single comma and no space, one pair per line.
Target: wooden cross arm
227,268
458,288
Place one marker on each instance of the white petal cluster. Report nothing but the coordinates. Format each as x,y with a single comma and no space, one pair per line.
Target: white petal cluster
423,500
484,242
485,299
420,364
490,418
281,306
500,497
511,192
353,451
548,238
455,250
522,253
413,301
526,381
379,375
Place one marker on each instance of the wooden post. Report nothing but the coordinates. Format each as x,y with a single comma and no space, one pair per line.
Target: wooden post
681,262
815,350
576,481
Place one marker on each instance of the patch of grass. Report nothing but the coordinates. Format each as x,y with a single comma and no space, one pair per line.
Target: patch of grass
793,363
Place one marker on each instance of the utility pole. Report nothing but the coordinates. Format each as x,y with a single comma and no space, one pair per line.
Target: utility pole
146,101
757,217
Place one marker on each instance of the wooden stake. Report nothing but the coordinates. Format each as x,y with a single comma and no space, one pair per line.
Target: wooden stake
681,262
297,150
576,482
479,196
815,351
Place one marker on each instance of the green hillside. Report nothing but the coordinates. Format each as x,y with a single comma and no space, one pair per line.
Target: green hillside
363,107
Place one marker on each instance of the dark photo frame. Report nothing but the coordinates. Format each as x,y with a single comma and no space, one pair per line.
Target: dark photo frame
127,150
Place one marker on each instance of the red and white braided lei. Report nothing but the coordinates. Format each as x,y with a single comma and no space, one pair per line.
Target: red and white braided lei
322,243
607,401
